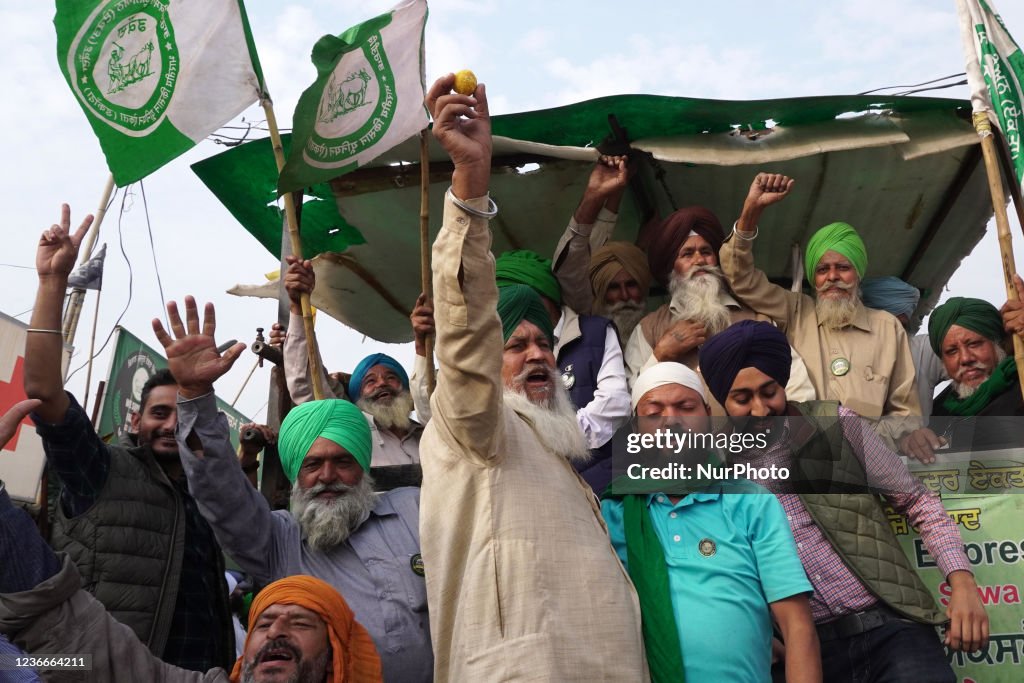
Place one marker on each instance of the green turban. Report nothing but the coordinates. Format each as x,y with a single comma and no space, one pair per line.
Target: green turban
525,267
334,419
840,238
974,314
517,303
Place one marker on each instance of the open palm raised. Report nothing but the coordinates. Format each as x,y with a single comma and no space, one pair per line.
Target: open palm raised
192,355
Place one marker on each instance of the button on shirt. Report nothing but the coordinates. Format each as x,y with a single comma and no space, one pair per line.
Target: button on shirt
373,569
721,592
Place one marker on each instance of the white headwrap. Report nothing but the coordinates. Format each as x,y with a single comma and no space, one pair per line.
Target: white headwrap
667,373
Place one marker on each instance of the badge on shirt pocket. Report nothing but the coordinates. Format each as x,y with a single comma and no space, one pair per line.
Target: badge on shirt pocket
840,366
707,547
416,563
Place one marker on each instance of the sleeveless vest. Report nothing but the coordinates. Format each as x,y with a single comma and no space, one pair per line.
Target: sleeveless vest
580,361
855,523
128,546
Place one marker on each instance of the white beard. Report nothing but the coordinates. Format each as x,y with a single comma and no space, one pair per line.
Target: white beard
696,298
966,391
393,414
836,313
554,421
328,523
626,315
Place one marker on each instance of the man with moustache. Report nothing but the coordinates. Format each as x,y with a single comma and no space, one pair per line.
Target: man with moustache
684,256
855,355
379,384
365,546
125,515
968,336
522,580
300,629
875,618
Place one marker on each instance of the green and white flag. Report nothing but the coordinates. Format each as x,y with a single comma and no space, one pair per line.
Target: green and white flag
367,98
995,72
155,77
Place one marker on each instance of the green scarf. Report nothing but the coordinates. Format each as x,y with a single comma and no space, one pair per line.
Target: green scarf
1002,377
649,571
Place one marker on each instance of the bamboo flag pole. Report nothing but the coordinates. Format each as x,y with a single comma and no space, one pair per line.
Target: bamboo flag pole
74,309
313,349
426,282
995,184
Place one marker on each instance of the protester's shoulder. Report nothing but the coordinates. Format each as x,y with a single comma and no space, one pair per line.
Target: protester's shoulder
401,498
743,486
880,319
743,498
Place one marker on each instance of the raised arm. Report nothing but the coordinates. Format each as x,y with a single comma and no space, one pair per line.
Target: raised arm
466,405
55,259
300,279
239,515
589,228
422,319
736,257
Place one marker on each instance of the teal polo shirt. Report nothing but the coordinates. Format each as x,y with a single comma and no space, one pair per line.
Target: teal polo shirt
728,557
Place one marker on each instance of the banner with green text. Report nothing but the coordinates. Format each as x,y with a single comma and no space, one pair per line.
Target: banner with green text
978,495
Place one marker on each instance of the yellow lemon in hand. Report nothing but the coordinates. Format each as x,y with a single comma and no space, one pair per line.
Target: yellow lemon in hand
465,82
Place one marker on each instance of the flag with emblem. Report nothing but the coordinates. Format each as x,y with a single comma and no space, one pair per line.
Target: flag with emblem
155,77
995,72
367,98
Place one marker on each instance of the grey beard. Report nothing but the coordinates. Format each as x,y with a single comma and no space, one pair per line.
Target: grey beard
390,415
553,421
626,315
328,523
965,391
696,298
306,671
834,313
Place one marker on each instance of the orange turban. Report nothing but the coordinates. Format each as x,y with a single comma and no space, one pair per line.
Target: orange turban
606,262
355,656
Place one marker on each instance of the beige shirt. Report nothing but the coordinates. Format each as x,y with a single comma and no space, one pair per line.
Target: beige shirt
880,378
522,581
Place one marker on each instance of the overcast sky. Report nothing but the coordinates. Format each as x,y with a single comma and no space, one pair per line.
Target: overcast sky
531,54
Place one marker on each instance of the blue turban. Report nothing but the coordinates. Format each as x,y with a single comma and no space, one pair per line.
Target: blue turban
333,419
890,294
748,343
355,383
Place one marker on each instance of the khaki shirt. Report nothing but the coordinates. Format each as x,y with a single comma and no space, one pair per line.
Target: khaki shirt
522,580
880,377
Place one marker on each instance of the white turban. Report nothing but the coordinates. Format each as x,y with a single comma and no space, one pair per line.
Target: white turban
667,373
